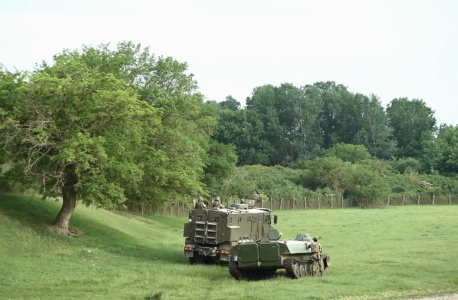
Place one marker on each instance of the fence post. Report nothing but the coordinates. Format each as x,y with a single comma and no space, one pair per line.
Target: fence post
142,209
403,199
270,204
418,199
319,206
434,196
449,200
388,201
170,209
341,199
293,204
305,202
262,203
281,202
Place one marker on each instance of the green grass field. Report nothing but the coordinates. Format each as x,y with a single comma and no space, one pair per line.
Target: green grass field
391,253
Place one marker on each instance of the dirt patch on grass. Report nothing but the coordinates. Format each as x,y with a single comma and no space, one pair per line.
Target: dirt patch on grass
71,231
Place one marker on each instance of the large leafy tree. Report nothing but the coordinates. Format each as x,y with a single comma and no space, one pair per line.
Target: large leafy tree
187,122
230,103
289,115
76,133
244,130
413,122
353,118
219,165
441,154
339,114
105,125
374,132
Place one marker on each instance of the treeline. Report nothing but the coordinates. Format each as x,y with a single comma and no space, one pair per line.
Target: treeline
285,124
110,127
322,140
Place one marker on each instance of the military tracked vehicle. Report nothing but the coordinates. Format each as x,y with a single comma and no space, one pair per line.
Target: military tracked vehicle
211,232
260,259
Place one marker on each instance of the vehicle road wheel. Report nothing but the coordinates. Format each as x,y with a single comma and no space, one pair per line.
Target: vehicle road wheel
302,270
235,271
297,270
290,268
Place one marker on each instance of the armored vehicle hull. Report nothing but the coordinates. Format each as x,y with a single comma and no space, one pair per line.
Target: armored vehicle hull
250,260
210,233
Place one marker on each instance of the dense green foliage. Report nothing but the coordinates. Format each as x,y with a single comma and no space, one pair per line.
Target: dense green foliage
123,256
349,172
106,126
412,122
109,126
338,142
441,154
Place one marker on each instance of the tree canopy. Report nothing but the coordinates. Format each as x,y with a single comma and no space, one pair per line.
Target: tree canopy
104,126
412,122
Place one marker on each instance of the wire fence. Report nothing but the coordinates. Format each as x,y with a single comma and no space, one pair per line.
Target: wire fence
176,209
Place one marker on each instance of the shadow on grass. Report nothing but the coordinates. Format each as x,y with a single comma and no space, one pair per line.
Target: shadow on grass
38,215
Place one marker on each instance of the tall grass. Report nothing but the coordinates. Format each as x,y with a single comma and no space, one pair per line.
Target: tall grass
391,253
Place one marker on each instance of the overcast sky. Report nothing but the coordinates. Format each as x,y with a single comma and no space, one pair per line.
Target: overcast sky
395,48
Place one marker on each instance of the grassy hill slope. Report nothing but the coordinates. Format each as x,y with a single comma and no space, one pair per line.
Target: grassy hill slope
390,253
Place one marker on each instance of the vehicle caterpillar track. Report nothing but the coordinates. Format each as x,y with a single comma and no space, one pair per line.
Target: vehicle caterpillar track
261,259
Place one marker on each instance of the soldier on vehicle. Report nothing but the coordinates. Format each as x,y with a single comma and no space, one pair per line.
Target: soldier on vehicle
200,203
316,256
217,202
242,201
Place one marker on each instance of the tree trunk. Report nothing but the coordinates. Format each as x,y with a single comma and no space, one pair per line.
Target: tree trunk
69,198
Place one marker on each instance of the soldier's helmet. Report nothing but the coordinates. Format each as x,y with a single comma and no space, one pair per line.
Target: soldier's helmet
242,201
218,199
200,199
315,239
